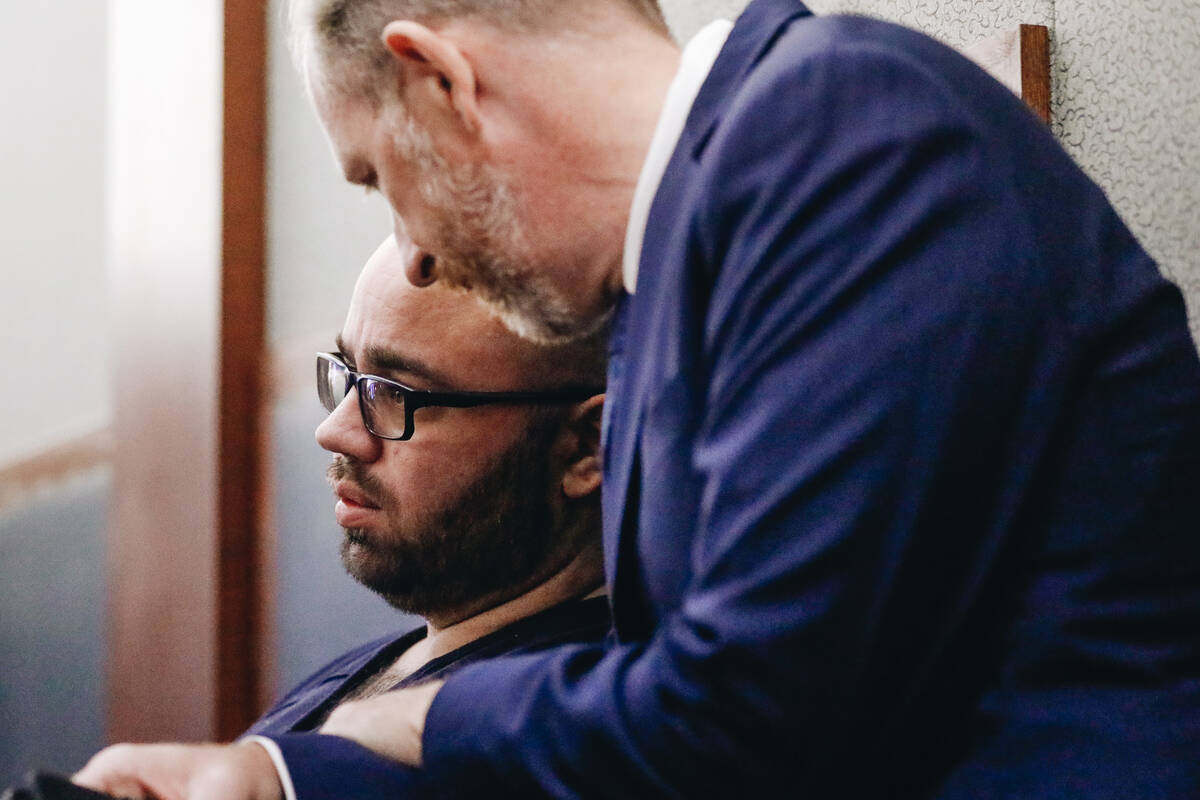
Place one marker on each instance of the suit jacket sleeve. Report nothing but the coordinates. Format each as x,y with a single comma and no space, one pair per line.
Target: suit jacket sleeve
881,348
323,767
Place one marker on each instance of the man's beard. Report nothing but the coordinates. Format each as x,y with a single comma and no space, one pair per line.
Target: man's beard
499,537
482,247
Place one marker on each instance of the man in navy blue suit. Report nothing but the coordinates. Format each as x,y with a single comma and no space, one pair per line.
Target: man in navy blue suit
903,437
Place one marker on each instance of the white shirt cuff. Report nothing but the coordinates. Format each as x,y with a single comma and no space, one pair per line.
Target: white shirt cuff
281,769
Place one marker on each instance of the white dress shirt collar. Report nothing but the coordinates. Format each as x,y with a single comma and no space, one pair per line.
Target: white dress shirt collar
694,65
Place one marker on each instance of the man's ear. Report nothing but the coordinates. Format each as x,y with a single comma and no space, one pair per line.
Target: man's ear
583,472
437,74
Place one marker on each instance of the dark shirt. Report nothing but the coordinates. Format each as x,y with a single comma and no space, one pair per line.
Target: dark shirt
307,706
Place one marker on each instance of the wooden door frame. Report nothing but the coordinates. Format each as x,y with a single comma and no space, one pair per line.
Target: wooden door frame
187,617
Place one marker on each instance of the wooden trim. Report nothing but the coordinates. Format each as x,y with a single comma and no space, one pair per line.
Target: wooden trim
243,284
1019,58
187,241
53,466
1035,69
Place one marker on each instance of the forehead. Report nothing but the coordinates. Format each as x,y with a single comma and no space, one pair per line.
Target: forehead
447,333
350,123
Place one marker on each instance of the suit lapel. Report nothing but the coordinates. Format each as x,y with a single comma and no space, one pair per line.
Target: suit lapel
622,432
618,436
752,35
633,350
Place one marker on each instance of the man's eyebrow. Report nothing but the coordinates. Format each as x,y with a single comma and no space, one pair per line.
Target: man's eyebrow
383,359
340,344
386,360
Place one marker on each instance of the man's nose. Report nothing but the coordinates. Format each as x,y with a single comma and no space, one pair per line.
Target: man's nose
343,432
421,269
420,266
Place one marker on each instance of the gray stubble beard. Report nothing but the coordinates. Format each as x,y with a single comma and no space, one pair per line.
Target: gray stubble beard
484,248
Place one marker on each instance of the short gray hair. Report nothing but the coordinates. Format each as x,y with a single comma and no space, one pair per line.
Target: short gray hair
346,33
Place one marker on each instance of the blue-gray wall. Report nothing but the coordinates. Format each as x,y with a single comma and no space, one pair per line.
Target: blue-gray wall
52,597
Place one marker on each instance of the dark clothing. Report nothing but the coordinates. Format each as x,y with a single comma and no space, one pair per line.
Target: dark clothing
322,766
307,705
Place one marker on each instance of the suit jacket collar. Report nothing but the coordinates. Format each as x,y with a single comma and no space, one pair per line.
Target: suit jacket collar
753,33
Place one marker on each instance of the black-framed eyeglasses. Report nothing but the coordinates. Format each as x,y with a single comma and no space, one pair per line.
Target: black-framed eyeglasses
387,406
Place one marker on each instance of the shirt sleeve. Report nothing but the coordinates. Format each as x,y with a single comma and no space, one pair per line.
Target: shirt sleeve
277,760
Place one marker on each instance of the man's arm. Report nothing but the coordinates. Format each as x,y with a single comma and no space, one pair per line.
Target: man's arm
323,766
183,772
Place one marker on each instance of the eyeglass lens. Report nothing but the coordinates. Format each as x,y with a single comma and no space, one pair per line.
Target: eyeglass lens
333,383
384,405
381,405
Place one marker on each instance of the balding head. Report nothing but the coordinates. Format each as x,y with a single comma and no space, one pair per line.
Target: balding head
481,502
346,34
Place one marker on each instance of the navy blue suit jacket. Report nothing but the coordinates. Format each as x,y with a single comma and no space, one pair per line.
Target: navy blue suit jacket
902,481
901,471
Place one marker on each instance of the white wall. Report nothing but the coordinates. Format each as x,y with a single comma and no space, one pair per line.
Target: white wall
53,302
55,384
1126,98
1127,107
320,231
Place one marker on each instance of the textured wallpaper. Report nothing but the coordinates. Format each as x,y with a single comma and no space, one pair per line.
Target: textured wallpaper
1126,104
1126,98
956,22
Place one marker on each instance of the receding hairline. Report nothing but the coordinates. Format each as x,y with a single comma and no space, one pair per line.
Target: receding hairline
345,34
332,19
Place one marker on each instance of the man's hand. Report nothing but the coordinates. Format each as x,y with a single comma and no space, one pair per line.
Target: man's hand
240,771
390,724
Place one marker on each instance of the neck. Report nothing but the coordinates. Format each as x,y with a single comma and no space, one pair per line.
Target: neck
582,576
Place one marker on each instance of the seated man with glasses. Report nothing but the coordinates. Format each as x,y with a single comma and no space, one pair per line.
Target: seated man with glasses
467,476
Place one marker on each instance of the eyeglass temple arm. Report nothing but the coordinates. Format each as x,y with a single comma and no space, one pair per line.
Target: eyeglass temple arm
469,400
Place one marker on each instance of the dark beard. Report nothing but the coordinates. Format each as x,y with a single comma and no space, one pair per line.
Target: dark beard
494,541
